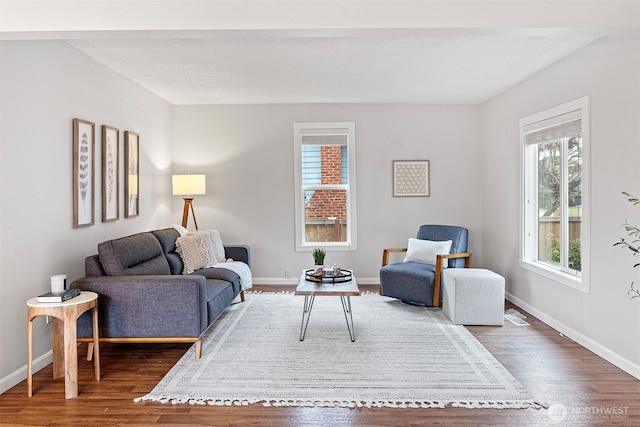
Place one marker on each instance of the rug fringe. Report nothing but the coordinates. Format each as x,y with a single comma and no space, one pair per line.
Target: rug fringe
525,404
504,392
292,292
268,292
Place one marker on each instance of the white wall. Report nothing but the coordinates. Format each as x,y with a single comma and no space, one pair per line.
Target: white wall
605,320
44,85
247,153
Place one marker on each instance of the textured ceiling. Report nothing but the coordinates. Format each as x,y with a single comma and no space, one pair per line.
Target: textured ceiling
246,67
323,51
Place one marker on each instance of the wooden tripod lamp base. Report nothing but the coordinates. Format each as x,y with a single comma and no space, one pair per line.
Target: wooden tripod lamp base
188,205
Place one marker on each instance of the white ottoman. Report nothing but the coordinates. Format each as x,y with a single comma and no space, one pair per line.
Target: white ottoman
473,296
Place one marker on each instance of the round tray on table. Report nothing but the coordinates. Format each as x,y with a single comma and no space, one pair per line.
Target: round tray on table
341,277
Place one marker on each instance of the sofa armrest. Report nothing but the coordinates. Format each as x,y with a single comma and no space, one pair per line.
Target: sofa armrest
147,306
238,253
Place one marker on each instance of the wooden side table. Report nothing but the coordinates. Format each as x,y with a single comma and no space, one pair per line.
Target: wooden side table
65,346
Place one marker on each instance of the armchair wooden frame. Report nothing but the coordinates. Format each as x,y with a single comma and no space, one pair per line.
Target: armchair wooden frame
438,279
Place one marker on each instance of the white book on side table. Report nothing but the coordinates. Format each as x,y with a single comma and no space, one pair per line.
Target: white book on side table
59,296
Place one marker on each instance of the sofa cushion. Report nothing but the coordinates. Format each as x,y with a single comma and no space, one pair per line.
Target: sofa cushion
221,274
138,254
196,252
167,238
93,266
411,282
219,296
459,237
214,241
426,251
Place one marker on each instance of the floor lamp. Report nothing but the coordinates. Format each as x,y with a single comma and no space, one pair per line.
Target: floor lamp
188,185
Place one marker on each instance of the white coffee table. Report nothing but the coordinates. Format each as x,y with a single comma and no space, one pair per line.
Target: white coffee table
311,289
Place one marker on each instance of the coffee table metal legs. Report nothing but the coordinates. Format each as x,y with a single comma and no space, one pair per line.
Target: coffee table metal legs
346,308
306,314
348,316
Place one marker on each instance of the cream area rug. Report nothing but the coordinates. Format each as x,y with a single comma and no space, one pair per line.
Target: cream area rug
403,356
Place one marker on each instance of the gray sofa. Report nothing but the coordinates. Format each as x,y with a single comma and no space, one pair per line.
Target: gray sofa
144,297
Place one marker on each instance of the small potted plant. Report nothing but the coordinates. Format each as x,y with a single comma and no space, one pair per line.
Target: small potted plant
318,257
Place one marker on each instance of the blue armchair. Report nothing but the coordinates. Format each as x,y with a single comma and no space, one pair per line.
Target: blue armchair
418,282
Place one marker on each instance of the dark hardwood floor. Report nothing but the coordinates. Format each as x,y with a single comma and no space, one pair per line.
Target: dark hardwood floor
579,387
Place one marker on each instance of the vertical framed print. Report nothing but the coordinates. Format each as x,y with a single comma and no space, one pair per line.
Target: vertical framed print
131,174
110,173
83,173
411,178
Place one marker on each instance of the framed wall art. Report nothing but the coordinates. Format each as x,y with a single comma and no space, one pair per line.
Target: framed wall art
83,173
411,178
110,174
131,174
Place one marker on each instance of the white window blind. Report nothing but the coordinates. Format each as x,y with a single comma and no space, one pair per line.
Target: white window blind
325,139
563,126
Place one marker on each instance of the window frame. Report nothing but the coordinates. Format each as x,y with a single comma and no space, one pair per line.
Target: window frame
529,196
325,128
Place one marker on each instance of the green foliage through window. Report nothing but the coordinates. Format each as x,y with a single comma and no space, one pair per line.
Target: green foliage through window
574,252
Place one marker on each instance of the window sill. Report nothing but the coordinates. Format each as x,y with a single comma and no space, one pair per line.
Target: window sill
575,282
327,245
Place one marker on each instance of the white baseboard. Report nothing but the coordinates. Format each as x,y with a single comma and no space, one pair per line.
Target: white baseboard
20,375
608,355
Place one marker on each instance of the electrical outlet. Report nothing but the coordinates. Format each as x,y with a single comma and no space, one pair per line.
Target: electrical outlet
48,319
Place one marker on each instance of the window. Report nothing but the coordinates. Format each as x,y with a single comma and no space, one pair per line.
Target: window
555,227
325,185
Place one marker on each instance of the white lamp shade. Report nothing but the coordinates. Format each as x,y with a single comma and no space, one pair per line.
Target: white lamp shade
189,185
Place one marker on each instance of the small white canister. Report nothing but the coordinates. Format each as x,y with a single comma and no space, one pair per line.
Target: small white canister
58,283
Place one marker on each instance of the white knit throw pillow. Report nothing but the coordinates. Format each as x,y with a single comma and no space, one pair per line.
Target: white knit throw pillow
196,252
217,248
